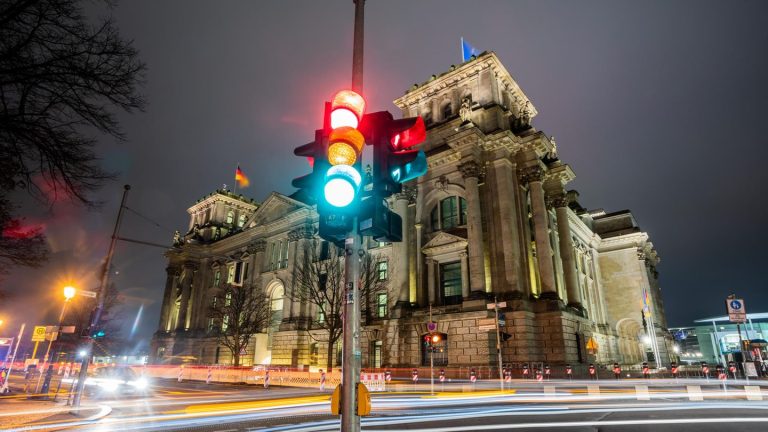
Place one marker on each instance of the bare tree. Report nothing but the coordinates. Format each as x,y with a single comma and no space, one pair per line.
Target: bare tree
240,312
60,78
318,280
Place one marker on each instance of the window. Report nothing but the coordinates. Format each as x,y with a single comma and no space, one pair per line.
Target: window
284,256
447,111
228,299
225,323
450,282
235,275
375,360
324,250
245,272
241,221
320,315
381,270
217,278
449,213
230,217
381,305
230,273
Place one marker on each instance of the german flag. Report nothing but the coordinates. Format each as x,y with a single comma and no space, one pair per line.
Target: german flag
240,178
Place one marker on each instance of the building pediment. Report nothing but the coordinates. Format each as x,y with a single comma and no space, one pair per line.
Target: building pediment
275,207
444,243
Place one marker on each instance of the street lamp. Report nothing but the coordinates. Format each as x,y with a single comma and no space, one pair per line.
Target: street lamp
69,292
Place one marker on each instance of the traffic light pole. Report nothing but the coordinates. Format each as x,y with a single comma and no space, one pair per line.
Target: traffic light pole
498,343
100,306
350,373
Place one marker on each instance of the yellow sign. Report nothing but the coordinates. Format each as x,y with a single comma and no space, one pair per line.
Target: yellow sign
38,334
591,344
336,401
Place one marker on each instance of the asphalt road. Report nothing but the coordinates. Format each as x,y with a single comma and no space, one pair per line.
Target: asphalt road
527,406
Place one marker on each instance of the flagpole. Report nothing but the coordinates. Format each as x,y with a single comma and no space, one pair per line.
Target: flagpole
462,50
236,170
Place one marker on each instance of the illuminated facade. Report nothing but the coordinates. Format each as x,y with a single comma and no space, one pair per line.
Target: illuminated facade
492,218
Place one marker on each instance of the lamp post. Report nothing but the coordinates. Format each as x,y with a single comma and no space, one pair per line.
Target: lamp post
69,292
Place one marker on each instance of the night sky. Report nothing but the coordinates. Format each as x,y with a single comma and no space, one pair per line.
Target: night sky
659,107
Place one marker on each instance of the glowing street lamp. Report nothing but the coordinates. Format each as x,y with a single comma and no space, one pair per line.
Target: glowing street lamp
69,292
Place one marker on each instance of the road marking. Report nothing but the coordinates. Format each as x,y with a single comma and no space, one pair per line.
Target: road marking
642,392
694,393
753,393
593,390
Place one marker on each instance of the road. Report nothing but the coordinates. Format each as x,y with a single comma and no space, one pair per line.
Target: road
628,405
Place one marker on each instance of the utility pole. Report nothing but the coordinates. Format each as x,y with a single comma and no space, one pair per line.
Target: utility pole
353,253
431,358
100,306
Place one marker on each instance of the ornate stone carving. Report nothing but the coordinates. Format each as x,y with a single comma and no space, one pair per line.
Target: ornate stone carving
257,246
407,193
465,111
559,200
641,254
177,238
532,174
471,169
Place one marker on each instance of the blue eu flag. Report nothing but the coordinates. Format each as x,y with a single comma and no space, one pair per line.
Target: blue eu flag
467,51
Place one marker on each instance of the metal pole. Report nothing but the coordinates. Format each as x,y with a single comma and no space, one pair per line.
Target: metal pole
498,343
50,342
357,48
100,306
350,370
741,350
431,359
4,389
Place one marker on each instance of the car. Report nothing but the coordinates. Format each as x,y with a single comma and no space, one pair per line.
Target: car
114,381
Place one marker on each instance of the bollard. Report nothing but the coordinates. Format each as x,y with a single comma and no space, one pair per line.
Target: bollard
322,380
592,372
617,371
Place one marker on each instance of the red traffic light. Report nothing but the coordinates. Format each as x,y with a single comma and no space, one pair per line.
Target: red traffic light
409,132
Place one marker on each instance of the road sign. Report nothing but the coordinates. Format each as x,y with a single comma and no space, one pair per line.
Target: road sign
6,341
737,313
493,306
38,334
431,326
91,294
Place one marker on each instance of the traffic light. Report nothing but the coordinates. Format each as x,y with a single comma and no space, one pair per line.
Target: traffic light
393,164
98,334
336,159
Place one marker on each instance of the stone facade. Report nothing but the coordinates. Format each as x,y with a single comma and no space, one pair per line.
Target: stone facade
492,218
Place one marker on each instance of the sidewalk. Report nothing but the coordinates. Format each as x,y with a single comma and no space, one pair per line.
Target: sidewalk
17,412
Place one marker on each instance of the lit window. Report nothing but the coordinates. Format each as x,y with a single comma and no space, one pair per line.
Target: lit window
217,278
381,270
230,273
228,299
450,282
449,213
225,323
230,217
381,305
284,255
241,221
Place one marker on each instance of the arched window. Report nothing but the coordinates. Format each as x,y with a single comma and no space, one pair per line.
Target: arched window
449,213
230,216
276,304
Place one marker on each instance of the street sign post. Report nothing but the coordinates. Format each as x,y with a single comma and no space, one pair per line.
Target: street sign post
737,313
38,334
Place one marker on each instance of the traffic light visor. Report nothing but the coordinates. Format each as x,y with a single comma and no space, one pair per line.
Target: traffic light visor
341,185
408,165
347,109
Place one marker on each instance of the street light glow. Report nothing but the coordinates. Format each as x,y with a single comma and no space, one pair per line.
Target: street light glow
69,292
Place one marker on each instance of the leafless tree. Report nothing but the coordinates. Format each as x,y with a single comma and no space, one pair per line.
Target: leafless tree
318,280
240,312
61,78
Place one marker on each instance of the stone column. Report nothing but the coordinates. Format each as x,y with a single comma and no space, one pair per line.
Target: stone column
566,252
165,314
534,176
421,296
510,235
471,171
401,280
464,275
186,291
431,280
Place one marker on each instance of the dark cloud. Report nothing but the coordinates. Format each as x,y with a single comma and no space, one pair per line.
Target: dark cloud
658,106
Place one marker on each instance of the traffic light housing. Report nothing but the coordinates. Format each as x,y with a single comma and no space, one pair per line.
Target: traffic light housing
98,334
336,159
393,165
